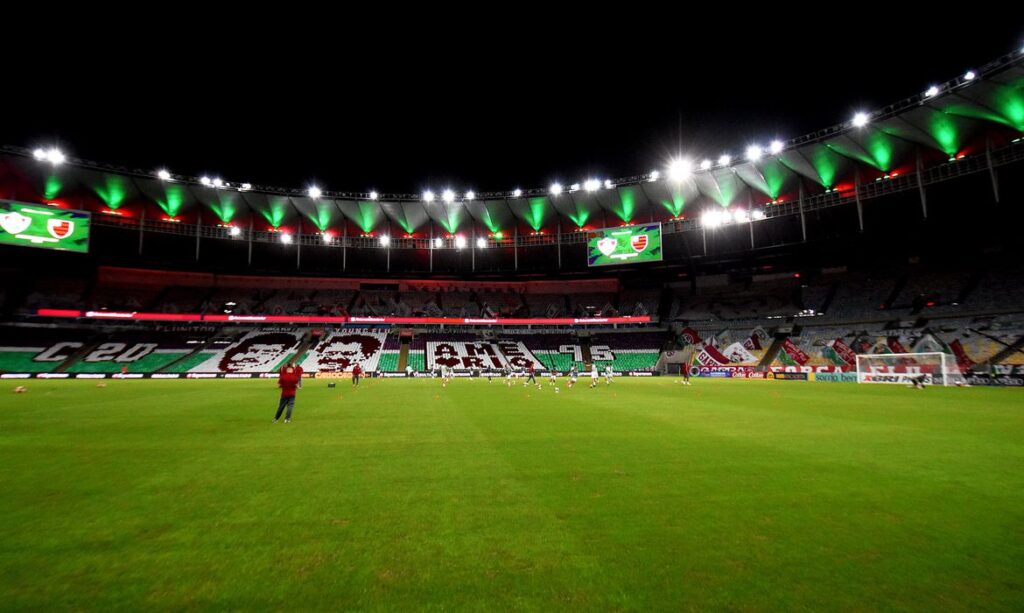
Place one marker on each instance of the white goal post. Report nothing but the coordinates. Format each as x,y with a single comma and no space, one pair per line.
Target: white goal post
937,368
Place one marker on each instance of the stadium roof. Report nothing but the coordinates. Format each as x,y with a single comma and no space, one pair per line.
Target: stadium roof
965,116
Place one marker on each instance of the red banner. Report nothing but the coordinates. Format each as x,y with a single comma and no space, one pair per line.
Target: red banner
962,359
304,319
843,350
795,353
895,345
711,356
691,335
753,343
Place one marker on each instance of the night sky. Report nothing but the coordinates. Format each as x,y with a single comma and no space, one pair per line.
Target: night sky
485,111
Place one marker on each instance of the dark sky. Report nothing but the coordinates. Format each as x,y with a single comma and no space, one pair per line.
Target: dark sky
472,108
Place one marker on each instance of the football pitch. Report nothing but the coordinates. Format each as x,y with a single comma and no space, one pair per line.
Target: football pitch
755,495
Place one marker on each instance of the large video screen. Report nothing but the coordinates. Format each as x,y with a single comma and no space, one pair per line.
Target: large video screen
627,245
31,225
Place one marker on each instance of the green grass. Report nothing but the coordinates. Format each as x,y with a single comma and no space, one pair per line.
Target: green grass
645,495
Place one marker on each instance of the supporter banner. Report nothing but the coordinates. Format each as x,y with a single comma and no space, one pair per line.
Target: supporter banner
895,345
753,343
302,319
711,356
794,353
737,353
1008,369
16,375
480,355
690,335
327,374
794,368
962,359
843,351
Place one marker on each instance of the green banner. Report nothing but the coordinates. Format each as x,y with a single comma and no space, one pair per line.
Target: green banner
48,227
626,245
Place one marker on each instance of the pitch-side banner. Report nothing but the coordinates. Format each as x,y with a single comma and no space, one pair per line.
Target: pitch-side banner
49,227
626,245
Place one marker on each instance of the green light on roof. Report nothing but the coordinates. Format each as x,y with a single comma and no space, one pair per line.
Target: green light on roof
774,174
451,218
627,204
321,216
826,164
276,210
881,149
112,191
225,210
580,217
676,204
726,192
535,213
367,218
498,235
52,187
944,130
173,200
488,220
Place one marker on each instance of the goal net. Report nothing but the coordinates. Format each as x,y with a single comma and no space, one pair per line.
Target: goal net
937,368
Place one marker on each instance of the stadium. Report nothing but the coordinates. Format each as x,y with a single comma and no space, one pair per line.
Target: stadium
789,377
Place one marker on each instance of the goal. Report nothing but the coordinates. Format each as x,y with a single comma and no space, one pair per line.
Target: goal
938,368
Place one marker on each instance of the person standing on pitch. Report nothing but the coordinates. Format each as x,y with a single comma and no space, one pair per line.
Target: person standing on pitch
288,380
593,374
357,371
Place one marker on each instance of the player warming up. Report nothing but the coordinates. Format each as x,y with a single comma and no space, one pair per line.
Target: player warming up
357,373
608,374
593,375
288,380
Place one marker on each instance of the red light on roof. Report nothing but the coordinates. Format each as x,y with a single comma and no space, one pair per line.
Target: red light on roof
796,275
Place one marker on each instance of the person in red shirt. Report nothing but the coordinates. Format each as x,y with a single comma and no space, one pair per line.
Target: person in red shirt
288,380
357,371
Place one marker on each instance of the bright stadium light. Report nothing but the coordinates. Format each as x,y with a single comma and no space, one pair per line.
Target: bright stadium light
218,182
286,239
575,187
438,243
326,236
754,153
374,195
969,76
517,193
592,185
235,231
705,164
555,189
680,169
385,240
724,160
740,216
53,155
860,119
758,215
481,243
245,187
163,175
776,147
470,195
205,181
654,176
710,219
428,196
608,184
448,196
460,242
314,192
931,91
